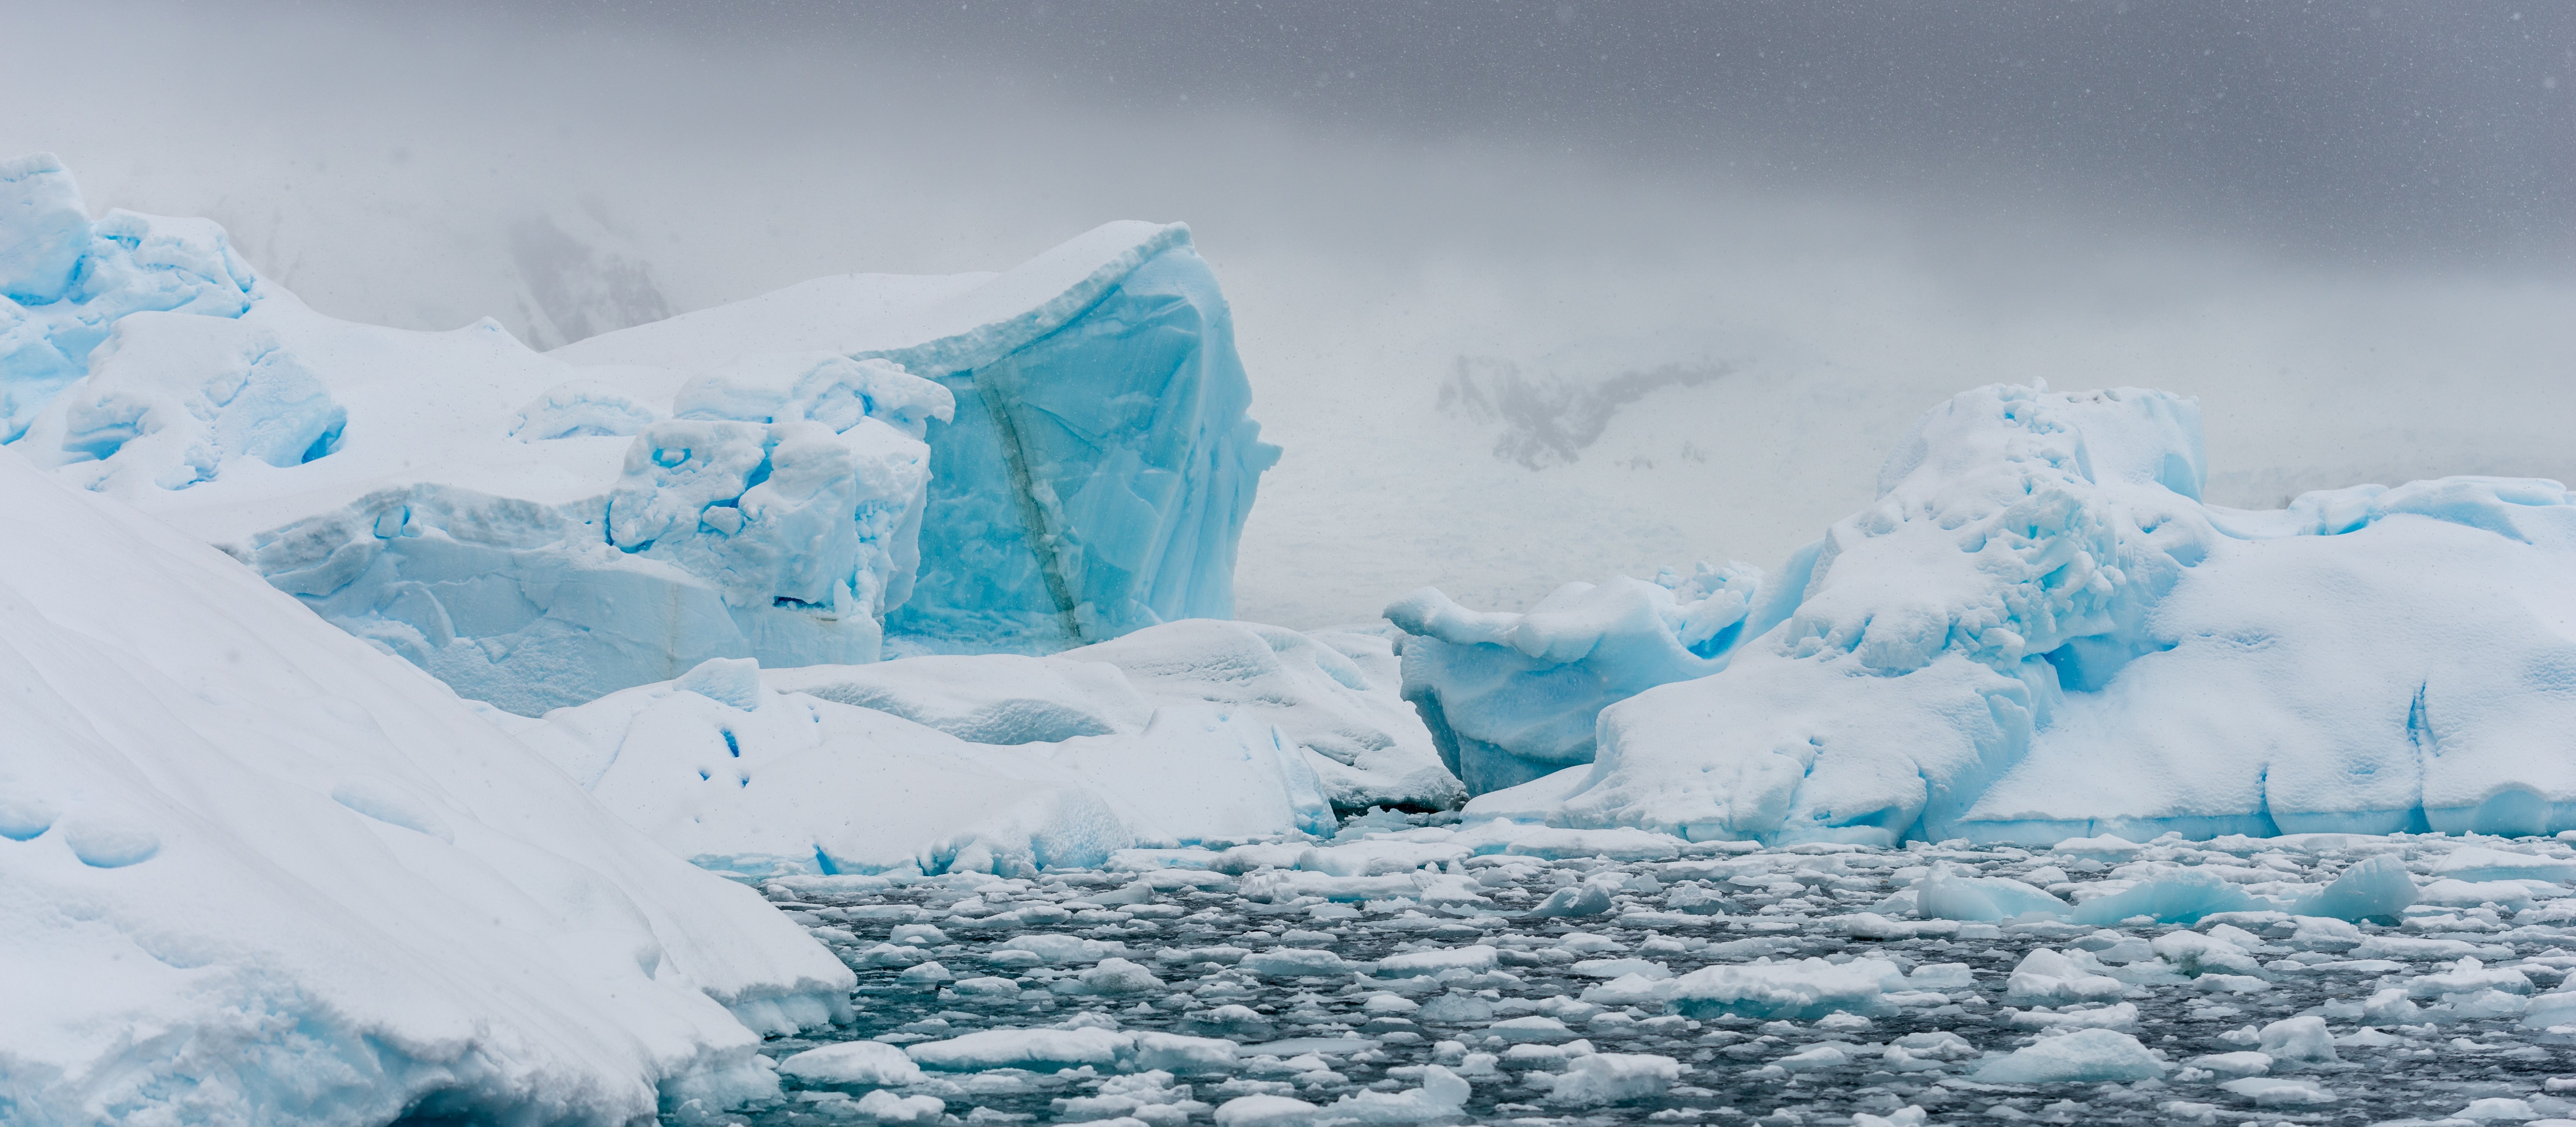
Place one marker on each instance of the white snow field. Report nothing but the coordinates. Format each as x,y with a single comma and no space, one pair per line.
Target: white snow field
253,870
2039,632
1024,461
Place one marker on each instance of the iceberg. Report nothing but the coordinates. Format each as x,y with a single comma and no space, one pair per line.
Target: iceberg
2039,632
253,870
1027,461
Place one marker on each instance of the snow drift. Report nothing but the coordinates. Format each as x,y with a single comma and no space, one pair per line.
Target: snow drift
2039,632
254,871
1025,461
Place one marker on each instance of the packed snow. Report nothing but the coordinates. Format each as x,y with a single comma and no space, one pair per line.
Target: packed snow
1722,982
1025,461
254,871
2039,633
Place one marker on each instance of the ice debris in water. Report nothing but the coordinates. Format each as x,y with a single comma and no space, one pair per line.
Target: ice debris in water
1814,990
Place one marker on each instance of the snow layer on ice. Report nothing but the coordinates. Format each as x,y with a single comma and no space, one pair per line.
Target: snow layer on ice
255,871
1054,455
737,776
2038,632
1329,692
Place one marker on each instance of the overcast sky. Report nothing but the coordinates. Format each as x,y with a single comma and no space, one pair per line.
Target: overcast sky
2349,228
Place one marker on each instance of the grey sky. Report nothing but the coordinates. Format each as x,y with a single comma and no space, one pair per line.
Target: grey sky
2349,229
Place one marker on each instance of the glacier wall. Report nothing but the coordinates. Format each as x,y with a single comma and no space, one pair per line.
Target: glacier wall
775,479
2038,632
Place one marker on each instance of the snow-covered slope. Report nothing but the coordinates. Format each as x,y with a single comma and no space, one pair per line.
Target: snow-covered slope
2040,632
766,480
253,870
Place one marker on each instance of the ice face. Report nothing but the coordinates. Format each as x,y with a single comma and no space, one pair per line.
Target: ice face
2038,632
1098,478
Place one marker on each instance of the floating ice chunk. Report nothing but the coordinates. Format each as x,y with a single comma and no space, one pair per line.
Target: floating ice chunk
1536,1028
1265,1111
853,1062
1610,1078
1586,899
1062,950
2372,888
1118,976
2195,954
2468,976
1816,1058
1442,1096
2267,1091
1946,895
887,1107
1512,697
1473,960
2232,1065
2084,1056
2478,863
2054,978
1797,991
2495,1109
2123,1017
1912,1115
2511,895
1291,962
924,974
2303,1039
1043,1050
1621,968
1183,1055
2182,896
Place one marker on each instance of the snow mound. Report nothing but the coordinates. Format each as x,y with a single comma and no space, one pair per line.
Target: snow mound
738,776
1026,461
252,870
1332,693
2039,632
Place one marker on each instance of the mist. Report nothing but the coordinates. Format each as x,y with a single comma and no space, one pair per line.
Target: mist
1728,253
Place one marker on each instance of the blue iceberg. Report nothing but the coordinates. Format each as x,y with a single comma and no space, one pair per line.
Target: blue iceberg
1028,461
2038,631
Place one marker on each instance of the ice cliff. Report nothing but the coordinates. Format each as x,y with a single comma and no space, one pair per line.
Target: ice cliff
255,871
2038,631
1026,461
